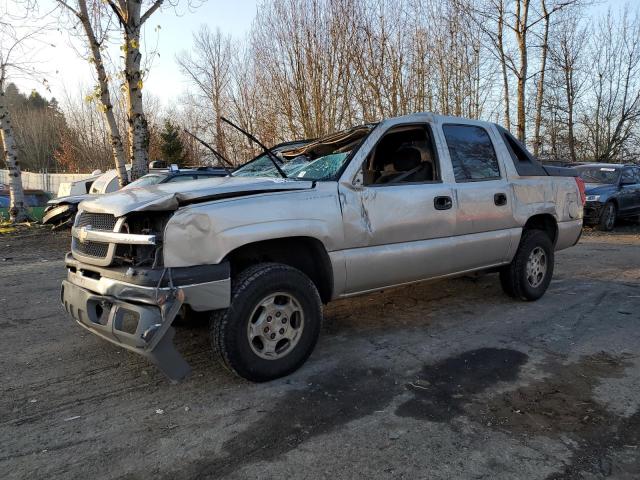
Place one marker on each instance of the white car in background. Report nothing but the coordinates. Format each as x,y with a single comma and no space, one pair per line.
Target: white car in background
61,210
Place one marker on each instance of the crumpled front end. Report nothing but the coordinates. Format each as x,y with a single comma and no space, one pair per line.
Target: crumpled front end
592,212
143,329
118,288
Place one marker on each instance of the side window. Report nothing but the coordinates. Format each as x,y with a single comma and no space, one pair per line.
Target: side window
517,153
524,162
627,176
471,152
637,172
404,154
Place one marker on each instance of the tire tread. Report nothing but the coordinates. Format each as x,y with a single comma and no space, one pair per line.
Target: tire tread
223,320
512,276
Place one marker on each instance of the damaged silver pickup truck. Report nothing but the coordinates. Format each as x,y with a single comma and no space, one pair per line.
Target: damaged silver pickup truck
408,199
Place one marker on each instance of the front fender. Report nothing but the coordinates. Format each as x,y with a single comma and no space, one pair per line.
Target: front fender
205,234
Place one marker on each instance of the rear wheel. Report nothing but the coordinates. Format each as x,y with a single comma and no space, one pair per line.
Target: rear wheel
272,324
608,217
528,276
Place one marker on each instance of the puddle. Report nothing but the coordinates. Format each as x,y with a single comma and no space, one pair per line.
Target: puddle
443,388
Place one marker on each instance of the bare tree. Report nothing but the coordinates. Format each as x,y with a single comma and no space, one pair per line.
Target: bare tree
17,208
131,17
210,69
16,59
85,138
613,111
543,70
342,62
95,34
566,55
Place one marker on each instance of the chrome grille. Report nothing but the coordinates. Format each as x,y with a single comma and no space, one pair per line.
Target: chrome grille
91,249
98,221
95,253
107,251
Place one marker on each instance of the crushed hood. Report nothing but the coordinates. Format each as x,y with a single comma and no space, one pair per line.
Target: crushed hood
170,196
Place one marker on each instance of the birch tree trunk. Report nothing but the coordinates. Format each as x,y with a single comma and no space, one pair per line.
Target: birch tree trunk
522,14
503,65
103,86
540,93
17,208
138,126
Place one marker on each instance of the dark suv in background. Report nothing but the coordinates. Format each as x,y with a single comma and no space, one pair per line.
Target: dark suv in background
613,192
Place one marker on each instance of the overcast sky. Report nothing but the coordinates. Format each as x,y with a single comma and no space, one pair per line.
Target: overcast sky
65,70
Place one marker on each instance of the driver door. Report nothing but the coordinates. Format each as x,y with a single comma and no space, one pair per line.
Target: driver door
397,231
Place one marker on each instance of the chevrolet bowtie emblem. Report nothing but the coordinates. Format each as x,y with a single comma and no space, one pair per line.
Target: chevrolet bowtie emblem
83,233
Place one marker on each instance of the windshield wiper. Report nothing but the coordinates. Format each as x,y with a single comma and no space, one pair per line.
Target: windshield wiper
215,152
272,156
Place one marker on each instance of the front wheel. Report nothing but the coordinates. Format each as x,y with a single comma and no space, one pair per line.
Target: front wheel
528,275
272,324
608,217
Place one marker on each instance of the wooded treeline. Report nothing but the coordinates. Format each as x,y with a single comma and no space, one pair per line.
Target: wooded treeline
71,135
560,74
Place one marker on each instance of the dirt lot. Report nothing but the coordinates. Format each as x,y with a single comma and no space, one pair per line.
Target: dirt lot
444,380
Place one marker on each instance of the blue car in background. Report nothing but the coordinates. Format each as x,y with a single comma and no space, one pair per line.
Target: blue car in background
612,191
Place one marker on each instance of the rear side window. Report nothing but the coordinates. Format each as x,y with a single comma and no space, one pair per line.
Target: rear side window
472,153
628,176
525,163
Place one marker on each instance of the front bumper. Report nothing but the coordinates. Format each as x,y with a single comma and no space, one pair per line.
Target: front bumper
592,212
137,316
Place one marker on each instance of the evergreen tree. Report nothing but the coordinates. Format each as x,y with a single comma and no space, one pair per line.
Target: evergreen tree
171,147
36,100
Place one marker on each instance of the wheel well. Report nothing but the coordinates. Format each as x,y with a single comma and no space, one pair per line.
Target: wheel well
307,254
544,222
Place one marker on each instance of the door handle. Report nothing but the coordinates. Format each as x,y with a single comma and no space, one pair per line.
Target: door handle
500,199
442,203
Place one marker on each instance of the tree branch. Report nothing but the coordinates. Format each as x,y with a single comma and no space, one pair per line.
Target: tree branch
149,12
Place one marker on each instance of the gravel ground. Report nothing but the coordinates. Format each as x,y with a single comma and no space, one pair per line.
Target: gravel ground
449,379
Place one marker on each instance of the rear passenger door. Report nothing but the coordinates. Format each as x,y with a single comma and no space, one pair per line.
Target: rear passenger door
484,216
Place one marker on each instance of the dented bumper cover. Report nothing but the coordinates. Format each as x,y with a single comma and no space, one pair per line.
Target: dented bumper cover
137,314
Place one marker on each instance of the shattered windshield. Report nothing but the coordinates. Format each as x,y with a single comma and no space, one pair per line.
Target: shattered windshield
607,175
319,159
